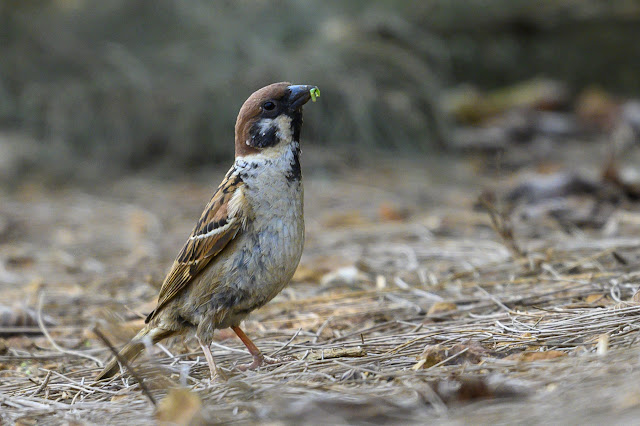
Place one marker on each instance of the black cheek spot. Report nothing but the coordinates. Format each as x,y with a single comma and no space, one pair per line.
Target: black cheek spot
263,138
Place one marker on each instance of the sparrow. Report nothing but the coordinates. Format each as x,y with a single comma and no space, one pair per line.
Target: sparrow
248,241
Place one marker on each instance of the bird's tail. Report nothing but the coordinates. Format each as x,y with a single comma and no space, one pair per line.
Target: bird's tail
148,335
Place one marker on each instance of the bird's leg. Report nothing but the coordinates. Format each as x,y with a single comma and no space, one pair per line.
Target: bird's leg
213,368
258,357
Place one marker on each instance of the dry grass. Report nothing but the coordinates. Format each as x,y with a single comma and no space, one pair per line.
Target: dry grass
389,320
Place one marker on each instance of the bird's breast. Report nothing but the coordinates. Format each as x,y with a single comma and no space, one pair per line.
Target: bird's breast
274,236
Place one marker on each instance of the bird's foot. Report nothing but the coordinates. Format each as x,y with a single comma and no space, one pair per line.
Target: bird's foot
218,375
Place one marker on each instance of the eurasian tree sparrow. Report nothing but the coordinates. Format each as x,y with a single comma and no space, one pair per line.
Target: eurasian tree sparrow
248,241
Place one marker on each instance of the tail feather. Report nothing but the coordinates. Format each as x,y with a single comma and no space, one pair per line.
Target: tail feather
134,348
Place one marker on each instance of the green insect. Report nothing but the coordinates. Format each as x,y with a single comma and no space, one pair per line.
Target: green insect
315,93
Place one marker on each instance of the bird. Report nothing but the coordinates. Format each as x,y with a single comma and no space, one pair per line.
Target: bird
247,244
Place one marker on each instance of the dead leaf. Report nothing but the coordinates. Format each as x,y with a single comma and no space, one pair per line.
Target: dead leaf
442,307
470,352
180,407
431,356
390,212
537,356
474,352
595,298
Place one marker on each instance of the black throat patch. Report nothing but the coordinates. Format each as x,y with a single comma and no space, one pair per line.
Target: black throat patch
295,173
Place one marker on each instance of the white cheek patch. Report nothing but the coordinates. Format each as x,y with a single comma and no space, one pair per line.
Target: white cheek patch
265,124
284,128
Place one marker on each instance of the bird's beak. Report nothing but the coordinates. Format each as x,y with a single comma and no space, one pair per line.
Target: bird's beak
299,95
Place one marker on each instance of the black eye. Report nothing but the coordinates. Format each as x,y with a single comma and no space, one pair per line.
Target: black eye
268,106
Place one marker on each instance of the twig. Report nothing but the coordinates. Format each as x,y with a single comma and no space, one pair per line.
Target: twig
126,365
44,384
494,298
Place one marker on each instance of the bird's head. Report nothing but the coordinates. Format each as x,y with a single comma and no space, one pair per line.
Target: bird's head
272,116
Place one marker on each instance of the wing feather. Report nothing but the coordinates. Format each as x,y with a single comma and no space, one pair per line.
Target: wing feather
220,222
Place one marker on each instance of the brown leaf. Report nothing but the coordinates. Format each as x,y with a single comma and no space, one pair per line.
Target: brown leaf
537,356
473,354
442,307
180,407
598,298
431,356
390,212
470,352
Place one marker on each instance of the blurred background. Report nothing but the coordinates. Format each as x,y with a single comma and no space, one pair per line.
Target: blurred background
89,87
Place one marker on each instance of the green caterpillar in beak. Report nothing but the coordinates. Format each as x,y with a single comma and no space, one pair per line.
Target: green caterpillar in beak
315,93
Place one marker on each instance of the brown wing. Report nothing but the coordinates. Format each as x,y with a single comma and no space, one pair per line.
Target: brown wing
221,220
